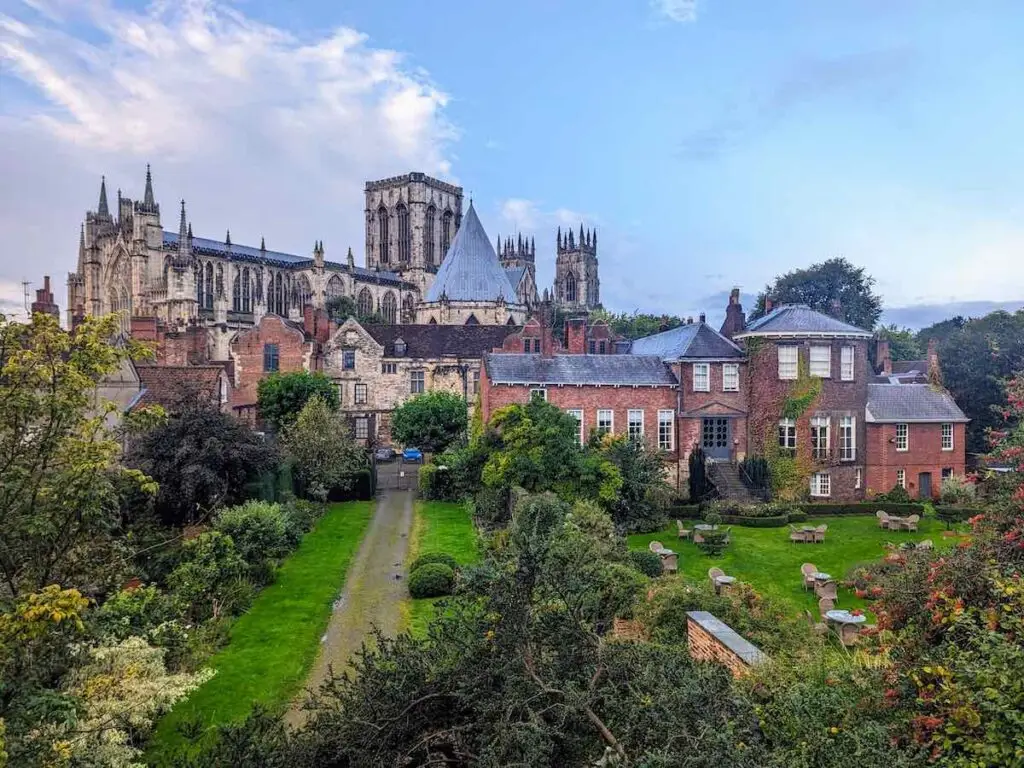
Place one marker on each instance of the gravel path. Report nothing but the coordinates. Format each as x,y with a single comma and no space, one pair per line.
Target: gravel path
372,596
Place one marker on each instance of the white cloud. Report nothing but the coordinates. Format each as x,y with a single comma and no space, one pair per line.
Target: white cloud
260,130
682,11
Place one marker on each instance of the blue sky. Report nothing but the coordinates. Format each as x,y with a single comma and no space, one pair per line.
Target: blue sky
713,144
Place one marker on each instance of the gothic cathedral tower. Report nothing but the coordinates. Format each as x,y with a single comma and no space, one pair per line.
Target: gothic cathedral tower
410,222
577,284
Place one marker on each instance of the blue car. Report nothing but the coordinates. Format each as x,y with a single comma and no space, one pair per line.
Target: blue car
412,454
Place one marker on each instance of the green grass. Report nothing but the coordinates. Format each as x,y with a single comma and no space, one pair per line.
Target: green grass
438,527
274,644
766,559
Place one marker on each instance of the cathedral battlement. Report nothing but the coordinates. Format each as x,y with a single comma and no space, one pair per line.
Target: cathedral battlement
409,178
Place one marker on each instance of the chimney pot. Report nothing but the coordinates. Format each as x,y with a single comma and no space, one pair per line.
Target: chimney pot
703,317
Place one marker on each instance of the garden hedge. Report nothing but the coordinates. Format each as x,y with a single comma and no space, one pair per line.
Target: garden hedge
434,557
776,521
646,562
432,580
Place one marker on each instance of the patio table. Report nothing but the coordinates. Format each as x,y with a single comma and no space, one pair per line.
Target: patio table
822,576
895,523
705,527
726,579
844,617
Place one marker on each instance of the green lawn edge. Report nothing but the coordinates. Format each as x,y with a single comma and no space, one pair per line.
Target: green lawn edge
274,644
438,526
766,559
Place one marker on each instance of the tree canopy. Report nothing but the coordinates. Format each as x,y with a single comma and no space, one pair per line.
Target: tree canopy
341,308
904,344
320,444
281,396
834,287
431,421
636,324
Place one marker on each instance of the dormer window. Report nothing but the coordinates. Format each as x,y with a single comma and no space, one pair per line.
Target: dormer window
400,347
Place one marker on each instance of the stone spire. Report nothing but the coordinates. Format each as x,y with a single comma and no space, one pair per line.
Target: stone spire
184,255
350,258
147,198
103,209
227,239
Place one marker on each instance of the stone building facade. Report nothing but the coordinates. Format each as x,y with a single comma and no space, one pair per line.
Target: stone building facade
577,284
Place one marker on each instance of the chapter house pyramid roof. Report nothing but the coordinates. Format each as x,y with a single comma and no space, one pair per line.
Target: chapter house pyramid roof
471,270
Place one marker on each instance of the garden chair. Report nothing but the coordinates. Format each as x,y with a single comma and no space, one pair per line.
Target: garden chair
911,522
825,605
713,574
795,535
819,534
848,634
818,628
670,563
926,544
829,589
684,532
728,535
656,547
808,570
883,518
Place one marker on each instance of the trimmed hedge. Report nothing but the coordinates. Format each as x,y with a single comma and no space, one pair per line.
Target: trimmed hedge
432,580
434,557
860,508
646,562
756,522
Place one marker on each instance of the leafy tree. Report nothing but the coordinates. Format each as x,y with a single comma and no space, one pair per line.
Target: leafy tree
59,468
202,459
321,445
833,287
280,397
341,308
431,421
210,582
903,343
261,533
644,495
635,325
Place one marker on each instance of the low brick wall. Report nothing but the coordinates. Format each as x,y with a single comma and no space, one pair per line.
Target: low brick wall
709,639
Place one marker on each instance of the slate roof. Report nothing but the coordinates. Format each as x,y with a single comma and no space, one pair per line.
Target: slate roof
570,370
164,384
515,275
471,270
798,320
247,253
434,341
694,340
911,403
905,372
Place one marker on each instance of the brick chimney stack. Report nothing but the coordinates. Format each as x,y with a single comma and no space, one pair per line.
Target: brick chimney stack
769,304
883,357
576,334
934,371
735,318
44,302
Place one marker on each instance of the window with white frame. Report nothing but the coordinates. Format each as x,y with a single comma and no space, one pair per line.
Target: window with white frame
359,394
902,437
820,437
666,420
947,437
577,413
821,361
858,478
635,424
701,377
846,356
821,484
847,438
788,357
362,428
730,377
538,393
787,434
901,478
605,421
389,367
417,382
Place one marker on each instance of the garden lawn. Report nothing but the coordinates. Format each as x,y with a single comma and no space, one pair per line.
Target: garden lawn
438,527
274,644
766,558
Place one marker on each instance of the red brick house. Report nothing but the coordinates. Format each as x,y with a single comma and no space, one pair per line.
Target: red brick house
916,437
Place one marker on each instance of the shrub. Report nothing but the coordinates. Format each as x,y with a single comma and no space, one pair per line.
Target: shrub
434,557
958,490
646,562
432,580
712,518
437,483
714,542
210,581
300,516
259,531
757,522
797,516
133,612
897,495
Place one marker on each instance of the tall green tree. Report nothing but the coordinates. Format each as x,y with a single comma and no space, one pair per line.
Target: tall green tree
636,325
281,396
321,445
341,308
903,343
59,468
431,421
834,287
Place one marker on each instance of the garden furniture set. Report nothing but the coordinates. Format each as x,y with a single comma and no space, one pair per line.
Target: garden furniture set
894,523
807,534
669,558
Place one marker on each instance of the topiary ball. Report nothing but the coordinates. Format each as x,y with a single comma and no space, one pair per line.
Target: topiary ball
434,557
645,561
432,580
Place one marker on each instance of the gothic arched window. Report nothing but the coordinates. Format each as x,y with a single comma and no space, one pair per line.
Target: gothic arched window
271,306
279,295
305,292
197,271
364,304
408,308
220,280
428,235
246,291
389,308
208,296
236,293
335,287
446,232
121,301
404,234
570,287
382,229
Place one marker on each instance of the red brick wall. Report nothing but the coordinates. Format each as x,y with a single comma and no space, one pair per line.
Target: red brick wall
711,404
924,454
294,354
704,647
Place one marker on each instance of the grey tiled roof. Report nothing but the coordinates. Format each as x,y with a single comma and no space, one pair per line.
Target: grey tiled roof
515,275
206,247
607,370
694,340
471,270
911,402
434,341
796,319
